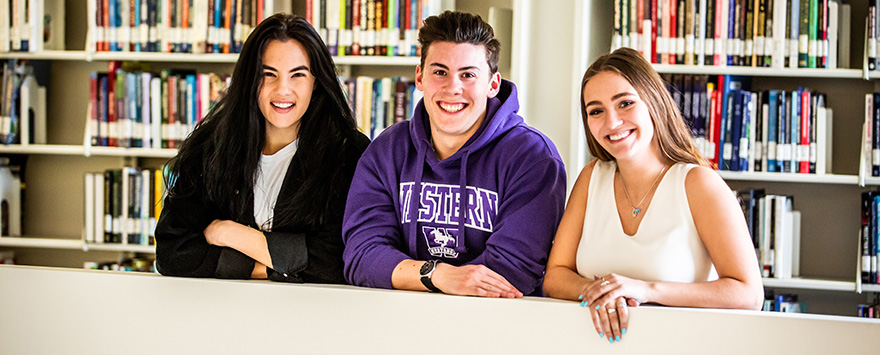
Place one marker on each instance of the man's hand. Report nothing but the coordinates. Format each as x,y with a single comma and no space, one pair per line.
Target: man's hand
472,280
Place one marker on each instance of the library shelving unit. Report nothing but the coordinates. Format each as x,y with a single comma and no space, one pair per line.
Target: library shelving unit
829,203
52,212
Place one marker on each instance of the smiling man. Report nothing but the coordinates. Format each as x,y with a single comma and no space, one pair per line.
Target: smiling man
465,197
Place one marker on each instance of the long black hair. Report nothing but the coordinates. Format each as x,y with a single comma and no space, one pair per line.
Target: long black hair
221,156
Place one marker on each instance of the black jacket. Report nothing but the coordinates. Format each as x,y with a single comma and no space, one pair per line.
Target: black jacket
299,253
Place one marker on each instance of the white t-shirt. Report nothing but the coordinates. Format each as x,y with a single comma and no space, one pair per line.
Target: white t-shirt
270,177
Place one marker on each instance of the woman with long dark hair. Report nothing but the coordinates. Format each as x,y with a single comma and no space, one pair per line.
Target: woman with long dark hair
258,189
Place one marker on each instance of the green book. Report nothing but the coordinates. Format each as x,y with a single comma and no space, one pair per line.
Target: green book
804,35
814,27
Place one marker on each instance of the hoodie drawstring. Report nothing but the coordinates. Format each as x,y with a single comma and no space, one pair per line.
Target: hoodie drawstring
416,197
462,202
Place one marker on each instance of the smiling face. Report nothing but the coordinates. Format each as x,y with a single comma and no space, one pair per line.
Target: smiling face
618,118
287,89
457,83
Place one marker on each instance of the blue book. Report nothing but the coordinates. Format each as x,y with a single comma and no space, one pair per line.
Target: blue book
746,130
875,135
874,240
111,27
782,136
376,118
218,25
102,110
772,114
133,106
737,128
793,33
731,33
191,98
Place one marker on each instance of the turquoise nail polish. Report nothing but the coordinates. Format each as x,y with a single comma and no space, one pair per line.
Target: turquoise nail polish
617,338
623,331
610,340
597,306
586,303
580,297
602,335
582,304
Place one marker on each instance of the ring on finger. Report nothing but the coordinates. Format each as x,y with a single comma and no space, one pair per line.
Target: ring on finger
604,283
612,310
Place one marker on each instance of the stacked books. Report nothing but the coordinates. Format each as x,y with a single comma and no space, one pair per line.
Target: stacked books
775,228
378,103
742,130
755,33
123,205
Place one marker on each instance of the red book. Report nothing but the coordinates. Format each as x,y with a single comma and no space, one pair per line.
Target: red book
309,13
719,32
94,119
804,149
105,45
260,9
173,135
112,119
716,129
671,46
639,16
654,18
357,29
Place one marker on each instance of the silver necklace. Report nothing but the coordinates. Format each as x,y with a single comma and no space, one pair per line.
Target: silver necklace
636,210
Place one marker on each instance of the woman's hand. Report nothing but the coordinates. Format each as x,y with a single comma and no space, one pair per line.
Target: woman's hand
609,298
221,232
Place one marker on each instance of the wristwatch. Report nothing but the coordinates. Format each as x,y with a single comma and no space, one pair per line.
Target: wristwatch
427,271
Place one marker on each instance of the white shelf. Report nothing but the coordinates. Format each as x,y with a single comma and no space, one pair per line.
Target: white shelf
59,149
811,284
870,288
791,177
72,244
162,57
754,71
132,152
193,58
47,55
377,60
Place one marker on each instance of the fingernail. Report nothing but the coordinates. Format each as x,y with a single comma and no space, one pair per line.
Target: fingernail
597,306
623,331
580,297
617,338
602,335
611,340
583,304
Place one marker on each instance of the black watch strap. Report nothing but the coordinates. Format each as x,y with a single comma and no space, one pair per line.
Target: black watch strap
426,272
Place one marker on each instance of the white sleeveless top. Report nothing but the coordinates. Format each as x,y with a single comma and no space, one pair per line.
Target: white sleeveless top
666,246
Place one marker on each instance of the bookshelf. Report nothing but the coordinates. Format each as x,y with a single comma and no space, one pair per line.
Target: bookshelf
54,171
829,203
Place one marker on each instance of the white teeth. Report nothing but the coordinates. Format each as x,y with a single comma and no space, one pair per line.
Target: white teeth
282,105
619,136
452,108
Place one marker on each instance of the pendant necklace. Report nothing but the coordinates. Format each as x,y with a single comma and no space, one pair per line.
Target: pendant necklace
636,210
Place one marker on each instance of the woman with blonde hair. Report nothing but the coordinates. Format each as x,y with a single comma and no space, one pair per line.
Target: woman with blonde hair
648,221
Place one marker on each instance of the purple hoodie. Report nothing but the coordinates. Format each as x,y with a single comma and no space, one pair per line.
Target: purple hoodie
515,183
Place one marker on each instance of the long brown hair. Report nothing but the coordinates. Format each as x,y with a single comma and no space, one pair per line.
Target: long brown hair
672,134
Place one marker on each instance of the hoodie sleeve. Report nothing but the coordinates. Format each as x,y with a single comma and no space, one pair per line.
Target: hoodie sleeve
527,219
373,242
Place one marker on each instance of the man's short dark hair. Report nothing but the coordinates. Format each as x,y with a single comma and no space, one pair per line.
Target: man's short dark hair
460,27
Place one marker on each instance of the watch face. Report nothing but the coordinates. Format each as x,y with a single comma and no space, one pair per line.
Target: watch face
426,267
